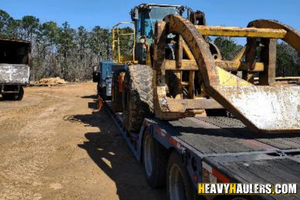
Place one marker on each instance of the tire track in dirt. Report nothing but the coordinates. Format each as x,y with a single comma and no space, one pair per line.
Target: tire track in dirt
54,146
26,156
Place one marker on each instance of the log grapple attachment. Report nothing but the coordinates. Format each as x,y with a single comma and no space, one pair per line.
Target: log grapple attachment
253,96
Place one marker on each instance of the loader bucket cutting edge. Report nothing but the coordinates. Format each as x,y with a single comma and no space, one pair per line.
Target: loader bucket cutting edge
262,108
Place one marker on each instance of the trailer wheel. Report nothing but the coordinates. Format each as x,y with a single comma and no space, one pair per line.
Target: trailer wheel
179,185
154,160
19,96
138,96
14,97
241,198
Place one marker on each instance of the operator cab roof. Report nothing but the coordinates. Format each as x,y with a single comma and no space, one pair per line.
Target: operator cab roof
150,5
147,5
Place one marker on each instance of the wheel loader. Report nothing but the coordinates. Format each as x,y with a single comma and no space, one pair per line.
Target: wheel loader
191,117
179,74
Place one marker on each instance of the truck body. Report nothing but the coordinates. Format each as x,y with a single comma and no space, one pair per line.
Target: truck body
14,68
103,75
189,118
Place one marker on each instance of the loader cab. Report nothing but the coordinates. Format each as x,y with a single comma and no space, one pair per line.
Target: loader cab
144,17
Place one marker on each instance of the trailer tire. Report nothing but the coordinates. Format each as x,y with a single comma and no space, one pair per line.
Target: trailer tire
179,184
14,97
137,97
19,96
154,161
6,97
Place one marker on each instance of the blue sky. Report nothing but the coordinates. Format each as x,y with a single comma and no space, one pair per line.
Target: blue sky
107,13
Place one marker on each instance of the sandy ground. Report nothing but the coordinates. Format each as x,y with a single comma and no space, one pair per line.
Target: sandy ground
55,145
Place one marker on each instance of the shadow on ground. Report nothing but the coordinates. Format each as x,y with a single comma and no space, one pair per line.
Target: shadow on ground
111,154
90,97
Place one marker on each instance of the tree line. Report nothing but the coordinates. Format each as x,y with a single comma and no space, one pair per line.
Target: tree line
59,50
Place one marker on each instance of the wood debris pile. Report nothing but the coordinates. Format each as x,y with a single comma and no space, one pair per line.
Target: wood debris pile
49,82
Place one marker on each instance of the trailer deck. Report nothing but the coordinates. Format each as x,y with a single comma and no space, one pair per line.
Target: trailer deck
227,145
281,170
220,135
241,155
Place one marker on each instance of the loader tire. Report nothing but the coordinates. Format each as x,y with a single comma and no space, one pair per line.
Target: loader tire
137,97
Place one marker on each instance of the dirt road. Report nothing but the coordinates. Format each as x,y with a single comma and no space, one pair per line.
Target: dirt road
55,145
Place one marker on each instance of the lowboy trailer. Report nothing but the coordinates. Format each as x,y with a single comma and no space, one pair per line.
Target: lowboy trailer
213,149
188,116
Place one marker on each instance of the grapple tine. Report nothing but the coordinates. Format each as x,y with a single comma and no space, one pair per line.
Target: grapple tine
292,37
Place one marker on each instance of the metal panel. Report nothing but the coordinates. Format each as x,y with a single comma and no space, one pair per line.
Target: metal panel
14,74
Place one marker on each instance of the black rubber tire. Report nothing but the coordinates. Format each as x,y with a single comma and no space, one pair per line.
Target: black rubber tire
14,97
233,197
157,157
19,97
240,198
137,97
185,189
7,97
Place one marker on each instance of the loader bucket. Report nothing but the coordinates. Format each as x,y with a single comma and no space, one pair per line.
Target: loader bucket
266,107
263,108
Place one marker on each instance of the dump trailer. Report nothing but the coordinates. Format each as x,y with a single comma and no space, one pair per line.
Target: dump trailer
191,117
14,68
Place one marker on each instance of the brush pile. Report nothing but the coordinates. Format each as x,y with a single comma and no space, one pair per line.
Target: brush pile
49,82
